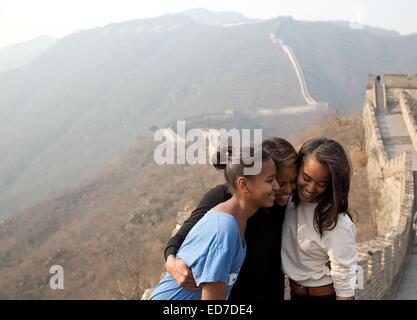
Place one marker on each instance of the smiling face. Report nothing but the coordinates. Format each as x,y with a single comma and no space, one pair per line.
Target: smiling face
313,180
287,181
263,187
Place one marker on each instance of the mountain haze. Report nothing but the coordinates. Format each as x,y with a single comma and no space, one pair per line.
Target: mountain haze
336,59
204,16
70,110
20,54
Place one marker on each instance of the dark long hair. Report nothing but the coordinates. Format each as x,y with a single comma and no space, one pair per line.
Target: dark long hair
281,151
334,200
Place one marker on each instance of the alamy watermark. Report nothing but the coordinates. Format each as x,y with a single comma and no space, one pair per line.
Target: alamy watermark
358,279
198,146
57,280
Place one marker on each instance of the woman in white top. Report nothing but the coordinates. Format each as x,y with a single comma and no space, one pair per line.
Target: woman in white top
318,237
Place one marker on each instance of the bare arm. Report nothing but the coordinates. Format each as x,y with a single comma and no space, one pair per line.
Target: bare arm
180,272
213,291
177,268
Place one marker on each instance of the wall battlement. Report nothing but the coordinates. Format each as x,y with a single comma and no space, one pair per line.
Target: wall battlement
409,119
400,81
390,81
392,189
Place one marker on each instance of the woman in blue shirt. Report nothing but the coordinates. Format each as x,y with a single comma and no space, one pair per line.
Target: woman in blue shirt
215,247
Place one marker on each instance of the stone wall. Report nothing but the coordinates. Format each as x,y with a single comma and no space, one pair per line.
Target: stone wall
371,81
392,184
409,119
400,81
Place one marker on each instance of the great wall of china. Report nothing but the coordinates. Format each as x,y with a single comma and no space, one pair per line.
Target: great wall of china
311,105
387,262
390,136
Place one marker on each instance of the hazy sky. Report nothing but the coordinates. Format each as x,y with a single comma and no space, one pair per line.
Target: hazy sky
22,20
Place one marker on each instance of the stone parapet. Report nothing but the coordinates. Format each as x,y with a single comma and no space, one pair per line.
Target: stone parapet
392,186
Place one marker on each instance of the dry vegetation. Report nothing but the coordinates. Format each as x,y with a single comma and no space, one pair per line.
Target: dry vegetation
109,233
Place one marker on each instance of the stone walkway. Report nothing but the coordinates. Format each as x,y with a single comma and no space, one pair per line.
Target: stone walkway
396,140
395,136
408,286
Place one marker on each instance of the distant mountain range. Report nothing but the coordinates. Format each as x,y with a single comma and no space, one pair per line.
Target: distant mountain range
70,110
204,16
21,54
336,58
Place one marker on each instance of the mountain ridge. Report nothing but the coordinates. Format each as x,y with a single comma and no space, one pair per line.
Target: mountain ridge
20,54
69,111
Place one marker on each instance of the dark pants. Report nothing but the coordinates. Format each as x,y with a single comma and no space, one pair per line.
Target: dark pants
296,297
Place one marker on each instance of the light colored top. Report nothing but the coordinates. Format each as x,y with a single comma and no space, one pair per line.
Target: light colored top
214,252
305,254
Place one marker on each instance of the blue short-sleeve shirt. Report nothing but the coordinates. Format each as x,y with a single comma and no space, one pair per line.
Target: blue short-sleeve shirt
214,252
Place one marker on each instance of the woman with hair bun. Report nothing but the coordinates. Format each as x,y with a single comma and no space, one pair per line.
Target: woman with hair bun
215,247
